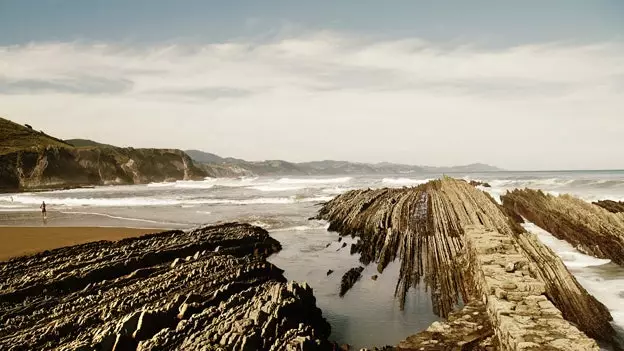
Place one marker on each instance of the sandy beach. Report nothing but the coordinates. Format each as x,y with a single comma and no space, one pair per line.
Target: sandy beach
18,241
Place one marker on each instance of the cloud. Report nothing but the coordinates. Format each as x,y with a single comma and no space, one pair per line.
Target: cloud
331,95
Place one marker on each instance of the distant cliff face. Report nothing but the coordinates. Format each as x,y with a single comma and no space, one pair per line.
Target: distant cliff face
34,160
54,167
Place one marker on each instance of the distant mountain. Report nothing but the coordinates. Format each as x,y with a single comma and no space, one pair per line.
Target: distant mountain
325,167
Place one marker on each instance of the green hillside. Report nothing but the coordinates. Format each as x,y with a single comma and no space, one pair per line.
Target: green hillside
15,136
86,143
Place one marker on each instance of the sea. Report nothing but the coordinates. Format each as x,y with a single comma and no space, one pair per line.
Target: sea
368,315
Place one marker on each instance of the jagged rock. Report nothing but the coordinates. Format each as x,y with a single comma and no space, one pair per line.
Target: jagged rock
127,295
467,329
589,228
329,272
611,206
424,228
349,279
516,302
479,183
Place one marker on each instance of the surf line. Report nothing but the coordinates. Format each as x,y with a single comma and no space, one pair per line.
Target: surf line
126,218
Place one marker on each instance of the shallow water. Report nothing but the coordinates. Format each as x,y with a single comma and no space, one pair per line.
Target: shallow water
368,315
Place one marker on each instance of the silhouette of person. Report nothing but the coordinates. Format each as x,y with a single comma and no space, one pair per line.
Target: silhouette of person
44,213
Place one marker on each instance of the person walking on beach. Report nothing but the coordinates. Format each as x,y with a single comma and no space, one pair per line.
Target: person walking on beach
44,213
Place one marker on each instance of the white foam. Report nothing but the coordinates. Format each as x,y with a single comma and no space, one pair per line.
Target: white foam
36,200
123,218
569,255
313,180
404,181
160,185
271,188
336,190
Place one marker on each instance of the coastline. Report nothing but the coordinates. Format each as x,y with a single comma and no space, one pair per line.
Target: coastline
20,240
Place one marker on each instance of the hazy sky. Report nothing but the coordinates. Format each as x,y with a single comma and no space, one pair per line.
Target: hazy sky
521,85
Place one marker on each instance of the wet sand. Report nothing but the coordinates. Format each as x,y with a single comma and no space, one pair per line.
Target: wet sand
18,241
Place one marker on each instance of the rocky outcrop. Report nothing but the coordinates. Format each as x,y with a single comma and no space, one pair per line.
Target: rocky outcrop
591,229
349,279
467,329
522,315
54,167
611,206
205,289
423,227
479,183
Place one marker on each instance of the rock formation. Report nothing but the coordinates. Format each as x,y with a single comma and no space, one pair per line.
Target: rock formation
349,279
611,206
164,291
589,228
479,183
31,160
424,228
467,329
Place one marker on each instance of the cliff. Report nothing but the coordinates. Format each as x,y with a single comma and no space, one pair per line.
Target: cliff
31,160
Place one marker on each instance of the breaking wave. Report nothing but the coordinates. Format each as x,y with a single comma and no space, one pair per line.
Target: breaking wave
404,181
313,180
30,200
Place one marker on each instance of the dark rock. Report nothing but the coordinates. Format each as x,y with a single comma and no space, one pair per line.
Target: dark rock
479,183
329,272
374,277
127,295
349,279
611,206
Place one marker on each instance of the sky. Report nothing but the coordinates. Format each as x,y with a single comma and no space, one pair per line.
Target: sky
523,85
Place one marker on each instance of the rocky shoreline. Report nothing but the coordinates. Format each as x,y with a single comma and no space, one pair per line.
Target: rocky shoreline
589,228
424,227
171,290
496,285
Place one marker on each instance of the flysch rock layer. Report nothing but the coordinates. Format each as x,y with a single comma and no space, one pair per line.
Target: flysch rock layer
611,206
205,289
467,329
423,227
591,229
523,317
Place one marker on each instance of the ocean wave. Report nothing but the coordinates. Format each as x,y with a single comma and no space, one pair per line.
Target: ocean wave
404,181
124,218
271,188
557,183
571,257
313,180
28,200
336,190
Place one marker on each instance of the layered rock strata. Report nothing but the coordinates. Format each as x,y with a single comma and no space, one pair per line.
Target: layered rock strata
467,329
523,317
423,227
591,229
206,289
611,206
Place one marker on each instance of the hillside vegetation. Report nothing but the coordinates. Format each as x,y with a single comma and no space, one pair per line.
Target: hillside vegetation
15,136
32,160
